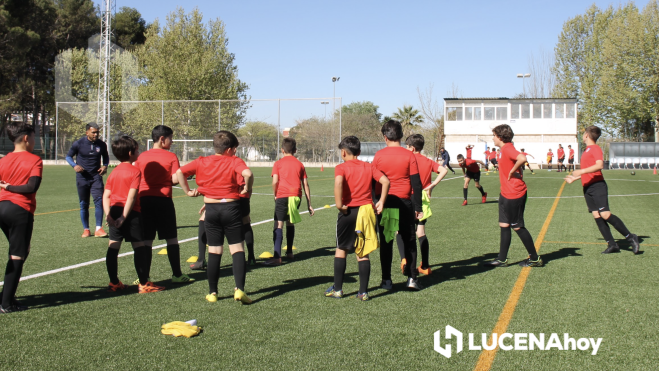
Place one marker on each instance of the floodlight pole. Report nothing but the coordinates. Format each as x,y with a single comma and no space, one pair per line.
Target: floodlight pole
56,125
278,127
334,80
325,103
522,76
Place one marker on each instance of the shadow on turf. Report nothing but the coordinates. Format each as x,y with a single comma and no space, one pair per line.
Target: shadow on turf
625,245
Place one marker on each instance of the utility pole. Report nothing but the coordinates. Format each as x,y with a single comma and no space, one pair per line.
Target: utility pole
104,55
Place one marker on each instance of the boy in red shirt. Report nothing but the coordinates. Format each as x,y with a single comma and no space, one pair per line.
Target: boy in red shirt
288,178
217,179
248,233
512,200
497,157
20,177
526,163
570,160
404,201
352,191
158,167
550,156
596,192
471,170
560,152
487,158
122,208
469,148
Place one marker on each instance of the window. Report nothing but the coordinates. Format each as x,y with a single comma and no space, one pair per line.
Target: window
489,113
571,109
526,111
459,114
451,113
537,110
546,110
514,111
477,113
559,110
502,113
468,113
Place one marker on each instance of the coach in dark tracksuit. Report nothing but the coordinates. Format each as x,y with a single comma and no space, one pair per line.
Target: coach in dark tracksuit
446,158
88,151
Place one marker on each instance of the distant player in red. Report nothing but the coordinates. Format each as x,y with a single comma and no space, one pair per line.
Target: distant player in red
217,179
471,170
158,167
550,157
596,192
20,178
493,159
353,196
468,149
122,209
526,163
487,158
512,200
288,178
400,167
248,233
497,157
561,158
570,159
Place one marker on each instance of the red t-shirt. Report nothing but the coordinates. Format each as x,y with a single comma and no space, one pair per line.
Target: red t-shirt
217,176
357,176
16,169
468,152
291,172
588,159
470,165
571,153
398,164
515,187
487,154
561,153
492,155
426,168
157,167
122,179
498,155
550,154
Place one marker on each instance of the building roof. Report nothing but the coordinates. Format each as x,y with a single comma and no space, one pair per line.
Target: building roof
504,98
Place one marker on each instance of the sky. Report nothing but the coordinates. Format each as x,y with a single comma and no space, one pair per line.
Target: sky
381,50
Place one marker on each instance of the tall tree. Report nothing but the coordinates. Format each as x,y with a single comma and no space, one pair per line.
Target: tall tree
409,117
77,21
129,28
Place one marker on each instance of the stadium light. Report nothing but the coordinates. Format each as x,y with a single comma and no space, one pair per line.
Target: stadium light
334,80
522,76
325,103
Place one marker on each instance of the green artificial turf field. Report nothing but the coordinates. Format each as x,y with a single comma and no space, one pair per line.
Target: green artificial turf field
73,323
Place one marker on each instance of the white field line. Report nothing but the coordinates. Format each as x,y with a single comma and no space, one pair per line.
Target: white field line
70,267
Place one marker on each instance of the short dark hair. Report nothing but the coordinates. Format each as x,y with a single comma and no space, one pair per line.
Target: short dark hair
569,146
223,140
161,131
123,146
504,132
16,131
352,145
393,130
417,141
289,145
460,157
90,126
594,132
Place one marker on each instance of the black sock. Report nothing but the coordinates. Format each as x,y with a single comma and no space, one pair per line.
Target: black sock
425,252
290,237
12,277
339,271
148,258
239,270
174,256
364,275
410,256
249,240
481,190
618,225
386,255
401,246
604,230
202,241
464,193
139,258
278,237
527,240
112,264
504,246
213,271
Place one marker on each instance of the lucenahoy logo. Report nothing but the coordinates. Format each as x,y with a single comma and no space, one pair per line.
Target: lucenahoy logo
517,341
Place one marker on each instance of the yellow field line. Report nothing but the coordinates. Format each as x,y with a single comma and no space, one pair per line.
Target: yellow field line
588,243
61,211
487,356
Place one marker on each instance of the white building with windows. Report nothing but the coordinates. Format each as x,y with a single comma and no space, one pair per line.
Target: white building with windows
538,124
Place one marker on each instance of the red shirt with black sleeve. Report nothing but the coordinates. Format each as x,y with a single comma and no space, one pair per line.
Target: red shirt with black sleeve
426,168
398,164
157,167
291,172
16,169
217,175
122,179
515,187
560,152
470,165
357,182
571,153
588,158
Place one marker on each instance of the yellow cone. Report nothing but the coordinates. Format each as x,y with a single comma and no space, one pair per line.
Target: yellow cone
293,248
327,206
266,255
162,252
192,259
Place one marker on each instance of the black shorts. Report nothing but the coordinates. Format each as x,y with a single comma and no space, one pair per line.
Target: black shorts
281,209
597,196
474,176
511,211
406,218
245,208
223,219
494,161
132,228
561,159
158,215
17,224
570,161
345,229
